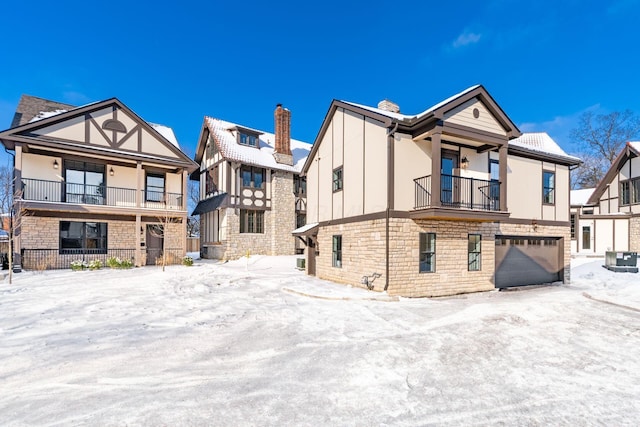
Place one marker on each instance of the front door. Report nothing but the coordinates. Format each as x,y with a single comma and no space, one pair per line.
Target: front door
586,237
155,238
311,256
448,184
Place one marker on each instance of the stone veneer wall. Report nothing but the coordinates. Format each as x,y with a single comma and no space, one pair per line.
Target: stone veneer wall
283,213
634,234
44,232
279,222
363,253
451,274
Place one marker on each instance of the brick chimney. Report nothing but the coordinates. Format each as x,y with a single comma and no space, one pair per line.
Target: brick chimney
282,151
390,106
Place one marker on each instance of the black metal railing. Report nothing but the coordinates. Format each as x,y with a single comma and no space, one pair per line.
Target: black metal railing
422,192
66,192
161,200
459,192
54,259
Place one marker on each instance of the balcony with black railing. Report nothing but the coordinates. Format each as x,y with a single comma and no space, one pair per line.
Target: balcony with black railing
84,194
457,192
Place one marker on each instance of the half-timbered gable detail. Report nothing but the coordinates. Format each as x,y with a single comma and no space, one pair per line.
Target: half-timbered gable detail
608,219
101,164
249,197
401,195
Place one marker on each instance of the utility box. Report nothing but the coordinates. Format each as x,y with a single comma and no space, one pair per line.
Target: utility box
300,263
621,262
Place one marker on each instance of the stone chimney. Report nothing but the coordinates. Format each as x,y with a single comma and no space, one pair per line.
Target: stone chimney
282,151
390,106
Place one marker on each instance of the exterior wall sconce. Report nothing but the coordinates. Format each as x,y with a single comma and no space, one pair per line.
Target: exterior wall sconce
55,164
111,171
464,163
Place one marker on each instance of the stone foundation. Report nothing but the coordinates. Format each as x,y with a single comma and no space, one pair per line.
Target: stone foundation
279,222
364,253
634,234
43,233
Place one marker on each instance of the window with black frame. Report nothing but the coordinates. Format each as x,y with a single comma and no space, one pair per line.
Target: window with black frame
337,252
337,179
475,249
548,187
251,221
427,252
84,182
155,187
83,237
252,177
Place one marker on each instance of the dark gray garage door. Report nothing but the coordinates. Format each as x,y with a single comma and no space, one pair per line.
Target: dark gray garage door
528,260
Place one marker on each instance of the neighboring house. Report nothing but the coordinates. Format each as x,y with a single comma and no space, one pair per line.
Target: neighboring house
93,182
452,200
251,191
609,218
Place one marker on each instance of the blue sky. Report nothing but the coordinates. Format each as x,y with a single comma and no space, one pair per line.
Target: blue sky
545,62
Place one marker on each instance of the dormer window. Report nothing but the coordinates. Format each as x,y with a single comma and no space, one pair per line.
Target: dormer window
248,139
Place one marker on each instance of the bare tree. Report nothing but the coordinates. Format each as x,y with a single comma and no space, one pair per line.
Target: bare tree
601,137
10,218
193,222
590,172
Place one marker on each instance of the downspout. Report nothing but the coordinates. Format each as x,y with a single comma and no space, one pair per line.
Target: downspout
390,183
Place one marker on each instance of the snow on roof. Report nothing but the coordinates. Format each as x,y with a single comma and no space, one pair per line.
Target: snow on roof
397,116
635,145
400,116
262,156
541,142
305,228
46,114
166,132
580,197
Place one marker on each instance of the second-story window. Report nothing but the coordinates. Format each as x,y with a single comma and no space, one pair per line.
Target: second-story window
337,179
299,185
252,176
84,182
155,187
211,184
548,187
250,140
630,192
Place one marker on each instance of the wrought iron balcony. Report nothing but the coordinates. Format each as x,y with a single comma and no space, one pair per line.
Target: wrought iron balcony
458,192
65,192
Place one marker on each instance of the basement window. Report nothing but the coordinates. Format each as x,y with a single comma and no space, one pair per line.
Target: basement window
475,248
337,252
427,252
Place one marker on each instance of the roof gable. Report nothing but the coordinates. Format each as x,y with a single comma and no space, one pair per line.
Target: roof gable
455,109
630,150
108,127
223,134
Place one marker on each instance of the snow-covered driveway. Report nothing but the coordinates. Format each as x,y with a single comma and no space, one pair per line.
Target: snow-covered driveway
240,344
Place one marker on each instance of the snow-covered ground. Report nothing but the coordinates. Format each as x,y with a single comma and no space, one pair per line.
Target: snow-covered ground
256,342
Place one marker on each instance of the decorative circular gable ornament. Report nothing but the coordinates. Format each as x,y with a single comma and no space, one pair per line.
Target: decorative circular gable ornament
476,113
